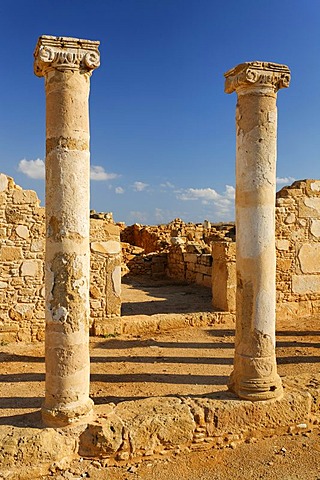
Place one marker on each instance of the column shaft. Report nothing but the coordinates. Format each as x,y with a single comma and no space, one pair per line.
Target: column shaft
255,372
67,261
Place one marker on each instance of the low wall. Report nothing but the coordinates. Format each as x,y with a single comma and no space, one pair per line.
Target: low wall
22,233
298,249
186,262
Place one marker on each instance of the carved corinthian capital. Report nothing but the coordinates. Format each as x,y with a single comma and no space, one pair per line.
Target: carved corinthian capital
64,53
257,74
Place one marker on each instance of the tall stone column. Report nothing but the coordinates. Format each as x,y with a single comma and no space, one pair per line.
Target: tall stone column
255,371
67,64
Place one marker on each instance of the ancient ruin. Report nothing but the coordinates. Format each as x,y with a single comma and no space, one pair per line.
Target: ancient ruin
266,266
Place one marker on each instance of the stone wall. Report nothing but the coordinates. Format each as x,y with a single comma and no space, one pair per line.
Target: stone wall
187,262
22,233
298,249
21,263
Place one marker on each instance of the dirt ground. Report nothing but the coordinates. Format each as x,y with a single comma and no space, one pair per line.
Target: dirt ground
193,361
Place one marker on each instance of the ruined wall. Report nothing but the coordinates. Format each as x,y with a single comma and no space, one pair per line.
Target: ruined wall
21,263
158,238
187,262
298,249
105,270
22,233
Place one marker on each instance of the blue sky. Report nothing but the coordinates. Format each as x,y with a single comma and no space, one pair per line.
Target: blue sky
162,128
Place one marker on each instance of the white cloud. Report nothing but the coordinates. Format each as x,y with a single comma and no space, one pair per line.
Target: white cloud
98,173
119,190
221,205
203,194
167,185
32,168
285,180
139,217
139,186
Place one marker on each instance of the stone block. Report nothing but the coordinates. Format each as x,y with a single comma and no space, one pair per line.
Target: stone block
190,257
102,437
315,227
309,258
155,423
9,254
3,182
303,284
21,197
309,207
37,246
22,231
110,247
282,244
21,311
29,268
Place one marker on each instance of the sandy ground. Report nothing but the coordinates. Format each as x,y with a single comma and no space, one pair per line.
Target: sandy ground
194,361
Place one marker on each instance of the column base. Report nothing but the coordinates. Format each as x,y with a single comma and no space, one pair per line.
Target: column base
256,389
63,416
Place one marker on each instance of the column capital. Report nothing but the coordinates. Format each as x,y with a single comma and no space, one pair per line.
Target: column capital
257,75
65,53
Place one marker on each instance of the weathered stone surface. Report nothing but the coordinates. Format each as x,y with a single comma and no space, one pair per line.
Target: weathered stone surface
33,450
305,284
224,276
254,376
9,254
155,423
3,182
282,244
109,247
102,438
29,268
24,196
22,231
315,185
315,227
309,258
309,207
66,64
22,311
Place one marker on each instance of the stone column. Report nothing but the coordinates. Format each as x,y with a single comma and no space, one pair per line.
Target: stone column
67,64
255,371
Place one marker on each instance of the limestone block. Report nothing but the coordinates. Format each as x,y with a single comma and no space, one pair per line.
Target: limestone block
37,246
309,207
156,422
315,186
282,244
102,438
21,311
309,257
94,291
291,218
190,257
29,268
110,247
116,280
9,254
22,231
303,284
3,182
315,227
25,196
